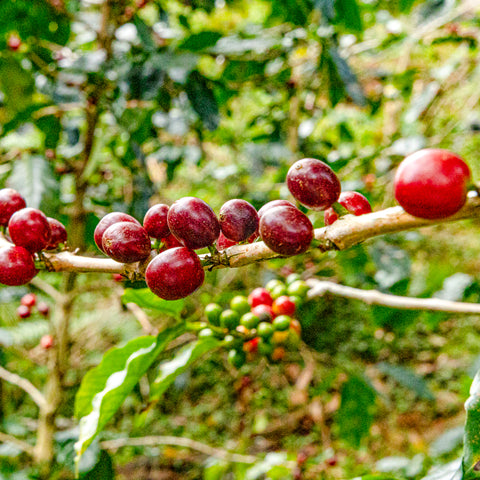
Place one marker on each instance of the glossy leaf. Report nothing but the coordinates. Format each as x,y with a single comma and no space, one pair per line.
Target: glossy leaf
203,101
348,13
105,387
170,369
144,298
471,448
200,41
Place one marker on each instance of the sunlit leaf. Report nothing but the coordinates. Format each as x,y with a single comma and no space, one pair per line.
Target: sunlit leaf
144,298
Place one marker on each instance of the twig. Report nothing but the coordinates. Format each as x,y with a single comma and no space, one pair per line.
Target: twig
45,287
179,442
374,297
142,318
25,385
24,446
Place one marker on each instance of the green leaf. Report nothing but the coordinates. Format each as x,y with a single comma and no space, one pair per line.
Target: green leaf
355,415
200,41
203,101
145,298
348,13
145,34
449,471
17,84
471,449
406,5
170,369
33,177
408,379
104,388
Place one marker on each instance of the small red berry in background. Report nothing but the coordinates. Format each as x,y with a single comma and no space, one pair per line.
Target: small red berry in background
171,242
29,300
23,311
432,183
47,342
355,203
223,242
118,277
43,309
330,216
58,234
283,306
259,296
251,346
263,312
14,42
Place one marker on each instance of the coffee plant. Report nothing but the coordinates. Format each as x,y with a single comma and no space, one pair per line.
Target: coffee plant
238,240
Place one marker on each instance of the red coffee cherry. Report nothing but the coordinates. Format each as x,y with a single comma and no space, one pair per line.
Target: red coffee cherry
29,300
126,242
43,309
23,311
47,342
58,234
193,222
223,242
175,273
264,312
259,296
283,305
330,216
432,183
286,230
313,183
14,42
29,228
10,202
107,221
171,242
16,266
274,203
355,203
238,219
155,221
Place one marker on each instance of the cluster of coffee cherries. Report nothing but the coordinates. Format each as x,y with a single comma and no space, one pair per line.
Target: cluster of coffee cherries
261,324
30,231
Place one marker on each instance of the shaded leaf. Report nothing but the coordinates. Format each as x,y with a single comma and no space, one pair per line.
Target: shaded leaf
355,415
200,41
406,5
145,298
17,84
104,388
348,14
408,379
170,369
145,34
203,101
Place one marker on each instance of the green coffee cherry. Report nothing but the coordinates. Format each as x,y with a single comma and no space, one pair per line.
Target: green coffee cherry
298,301
237,358
206,333
272,284
298,288
240,304
212,312
229,319
281,323
232,342
265,330
264,347
278,291
293,277
249,320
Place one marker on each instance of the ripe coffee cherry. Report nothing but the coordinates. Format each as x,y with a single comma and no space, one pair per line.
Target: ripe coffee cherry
23,311
193,222
274,203
355,203
155,221
313,183
106,222
58,234
16,266
238,219
259,296
432,183
29,300
263,312
330,216
10,202
126,242
29,228
47,342
223,242
251,346
43,309
14,42
174,273
286,230
171,242
283,306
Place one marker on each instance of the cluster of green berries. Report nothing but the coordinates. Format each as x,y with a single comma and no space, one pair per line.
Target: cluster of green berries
263,323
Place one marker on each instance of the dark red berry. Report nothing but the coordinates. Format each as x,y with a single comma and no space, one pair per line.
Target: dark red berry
47,342
286,230
43,309
193,222
283,305
355,203
16,266
272,204
126,242
23,311
118,277
107,221
263,312
259,296
155,221
313,183
175,273
58,234
171,242
238,219
14,42
432,183
29,228
223,242
29,300
330,216
10,202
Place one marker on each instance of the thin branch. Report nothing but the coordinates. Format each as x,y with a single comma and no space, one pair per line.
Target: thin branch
374,297
25,385
179,442
24,446
142,318
45,287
